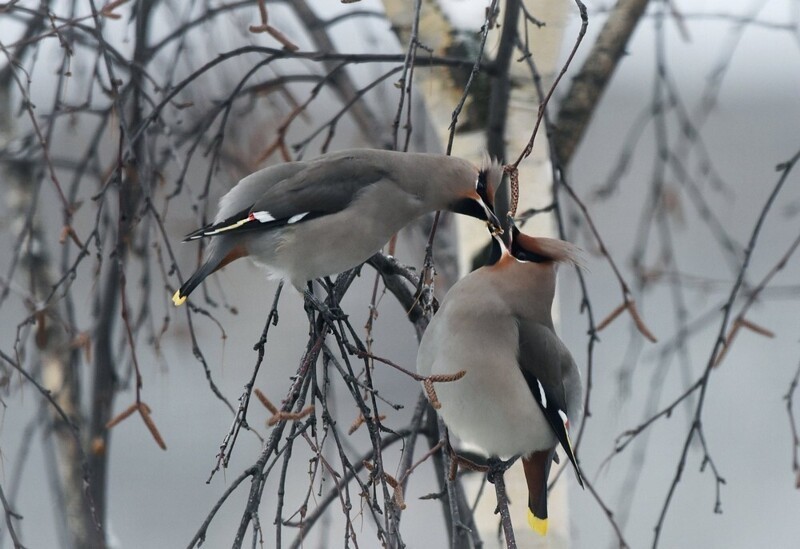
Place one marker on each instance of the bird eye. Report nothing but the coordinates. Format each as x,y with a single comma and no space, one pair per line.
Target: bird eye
522,254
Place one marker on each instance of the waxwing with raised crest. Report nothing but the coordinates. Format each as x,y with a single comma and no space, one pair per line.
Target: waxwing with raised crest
307,219
521,389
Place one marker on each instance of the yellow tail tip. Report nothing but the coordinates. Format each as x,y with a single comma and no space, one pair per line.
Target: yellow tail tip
178,299
538,525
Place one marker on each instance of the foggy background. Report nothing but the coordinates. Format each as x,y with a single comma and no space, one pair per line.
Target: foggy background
159,499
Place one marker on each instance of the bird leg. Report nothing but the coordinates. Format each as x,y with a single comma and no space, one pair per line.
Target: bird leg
497,467
492,468
457,460
467,463
313,303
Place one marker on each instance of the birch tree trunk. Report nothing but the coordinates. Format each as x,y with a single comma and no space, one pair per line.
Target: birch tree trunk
441,96
55,355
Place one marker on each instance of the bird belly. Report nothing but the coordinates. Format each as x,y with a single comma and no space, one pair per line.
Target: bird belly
319,248
307,252
510,425
330,244
263,249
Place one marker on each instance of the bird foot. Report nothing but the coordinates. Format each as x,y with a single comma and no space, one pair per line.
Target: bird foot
329,313
467,463
496,466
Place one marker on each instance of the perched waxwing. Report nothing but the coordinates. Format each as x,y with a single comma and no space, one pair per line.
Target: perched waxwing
522,388
304,220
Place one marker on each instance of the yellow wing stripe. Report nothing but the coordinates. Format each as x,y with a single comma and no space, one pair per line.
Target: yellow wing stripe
229,227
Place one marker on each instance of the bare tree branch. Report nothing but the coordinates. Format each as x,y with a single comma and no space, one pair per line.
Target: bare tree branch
576,109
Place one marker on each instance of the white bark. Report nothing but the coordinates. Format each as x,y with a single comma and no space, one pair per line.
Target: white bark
535,179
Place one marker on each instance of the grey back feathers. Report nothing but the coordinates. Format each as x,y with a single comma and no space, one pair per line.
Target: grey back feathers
303,220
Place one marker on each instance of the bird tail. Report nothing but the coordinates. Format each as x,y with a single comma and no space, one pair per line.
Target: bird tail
214,262
537,468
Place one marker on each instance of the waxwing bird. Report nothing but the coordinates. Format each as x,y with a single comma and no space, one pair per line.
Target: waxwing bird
305,220
522,388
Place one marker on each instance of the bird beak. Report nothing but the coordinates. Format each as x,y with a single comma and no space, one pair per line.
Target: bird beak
498,249
513,231
491,220
475,206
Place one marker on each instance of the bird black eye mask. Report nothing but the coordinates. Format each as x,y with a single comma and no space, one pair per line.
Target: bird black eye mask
522,254
481,187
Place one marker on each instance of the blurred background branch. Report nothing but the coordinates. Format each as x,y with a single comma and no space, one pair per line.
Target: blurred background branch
121,125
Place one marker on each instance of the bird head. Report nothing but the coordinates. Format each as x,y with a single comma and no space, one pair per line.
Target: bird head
477,195
514,244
